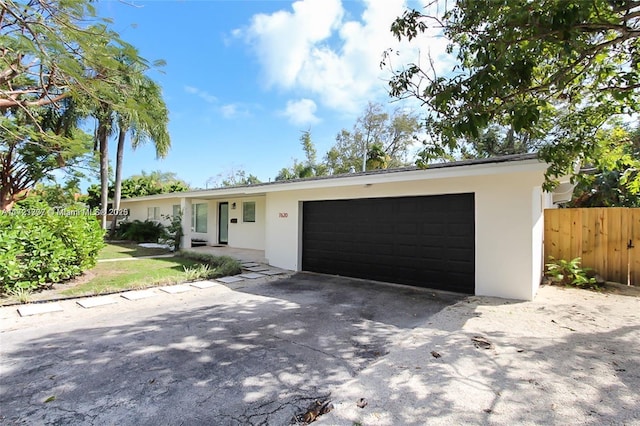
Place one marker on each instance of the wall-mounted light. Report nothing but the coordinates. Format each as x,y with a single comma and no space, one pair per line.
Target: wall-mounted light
233,206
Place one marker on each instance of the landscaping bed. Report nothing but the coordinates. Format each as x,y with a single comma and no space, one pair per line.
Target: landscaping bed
128,273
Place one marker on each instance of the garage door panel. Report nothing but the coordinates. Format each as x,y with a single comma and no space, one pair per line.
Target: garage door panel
423,241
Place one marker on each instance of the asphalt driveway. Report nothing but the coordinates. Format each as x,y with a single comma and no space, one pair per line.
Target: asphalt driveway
250,354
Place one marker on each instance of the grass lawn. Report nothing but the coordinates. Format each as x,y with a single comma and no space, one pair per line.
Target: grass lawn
128,275
120,250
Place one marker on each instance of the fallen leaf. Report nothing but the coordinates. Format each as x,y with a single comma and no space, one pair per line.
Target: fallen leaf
362,403
481,342
50,399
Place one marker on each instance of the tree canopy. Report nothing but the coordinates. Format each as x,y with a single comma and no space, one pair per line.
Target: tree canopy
556,69
233,177
606,184
378,140
56,59
376,132
152,183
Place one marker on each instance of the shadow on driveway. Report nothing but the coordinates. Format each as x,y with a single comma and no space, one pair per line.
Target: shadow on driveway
256,355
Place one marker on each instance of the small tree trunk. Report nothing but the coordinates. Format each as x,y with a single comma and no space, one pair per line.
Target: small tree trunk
103,144
117,190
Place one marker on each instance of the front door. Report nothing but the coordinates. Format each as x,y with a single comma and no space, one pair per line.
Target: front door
223,223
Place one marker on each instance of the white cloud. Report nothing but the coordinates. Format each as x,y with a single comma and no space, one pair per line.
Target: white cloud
203,94
234,110
315,49
301,112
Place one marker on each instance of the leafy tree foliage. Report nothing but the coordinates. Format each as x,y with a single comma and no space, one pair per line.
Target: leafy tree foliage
156,182
308,168
136,107
393,134
610,182
33,144
60,194
52,60
556,69
495,141
233,178
146,118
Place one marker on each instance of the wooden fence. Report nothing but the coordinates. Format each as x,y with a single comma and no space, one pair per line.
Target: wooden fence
607,240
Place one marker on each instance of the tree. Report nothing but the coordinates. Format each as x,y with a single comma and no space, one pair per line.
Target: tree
606,185
495,141
307,168
146,118
233,178
35,144
156,182
60,195
377,158
133,104
558,70
393,134
49,54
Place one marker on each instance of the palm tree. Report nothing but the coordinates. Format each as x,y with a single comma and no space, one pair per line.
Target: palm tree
145,119
132,103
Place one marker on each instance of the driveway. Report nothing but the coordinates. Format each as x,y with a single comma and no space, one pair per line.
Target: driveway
249,354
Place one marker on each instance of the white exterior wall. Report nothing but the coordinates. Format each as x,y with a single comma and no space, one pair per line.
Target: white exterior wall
212,221
138,209
248,235
508,216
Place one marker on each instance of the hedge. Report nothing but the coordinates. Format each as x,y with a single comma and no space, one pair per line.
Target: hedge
40,246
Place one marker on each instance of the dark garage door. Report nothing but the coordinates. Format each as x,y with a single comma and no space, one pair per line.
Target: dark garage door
421,241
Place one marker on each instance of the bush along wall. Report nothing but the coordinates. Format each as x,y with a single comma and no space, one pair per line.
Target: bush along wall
41,246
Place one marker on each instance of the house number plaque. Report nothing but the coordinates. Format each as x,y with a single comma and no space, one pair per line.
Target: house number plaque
283,215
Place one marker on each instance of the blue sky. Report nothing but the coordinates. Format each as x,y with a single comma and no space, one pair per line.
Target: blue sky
244,78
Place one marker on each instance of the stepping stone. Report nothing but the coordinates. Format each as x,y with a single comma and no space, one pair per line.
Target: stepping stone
252,275
204,284
93,302
229,280
257,268
273,272
38,308
175,289
138,294
250,264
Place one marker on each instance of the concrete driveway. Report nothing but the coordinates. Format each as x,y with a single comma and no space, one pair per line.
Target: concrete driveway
250,354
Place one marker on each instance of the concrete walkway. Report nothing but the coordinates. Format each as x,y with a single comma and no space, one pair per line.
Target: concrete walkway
251,271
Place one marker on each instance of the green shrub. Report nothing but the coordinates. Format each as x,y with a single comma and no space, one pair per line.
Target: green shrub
40,246
569,272
142,232
173,232
218,266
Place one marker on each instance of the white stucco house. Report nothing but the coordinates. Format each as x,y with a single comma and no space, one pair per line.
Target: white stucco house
474,226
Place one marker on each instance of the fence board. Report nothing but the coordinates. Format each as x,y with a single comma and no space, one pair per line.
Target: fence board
634,253
600,237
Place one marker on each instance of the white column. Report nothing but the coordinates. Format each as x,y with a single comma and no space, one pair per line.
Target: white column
186,208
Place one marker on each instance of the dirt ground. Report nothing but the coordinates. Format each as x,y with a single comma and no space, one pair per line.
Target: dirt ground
571,356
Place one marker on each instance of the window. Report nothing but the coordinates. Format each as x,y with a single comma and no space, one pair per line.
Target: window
176,211
153,213
249,211
199,218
